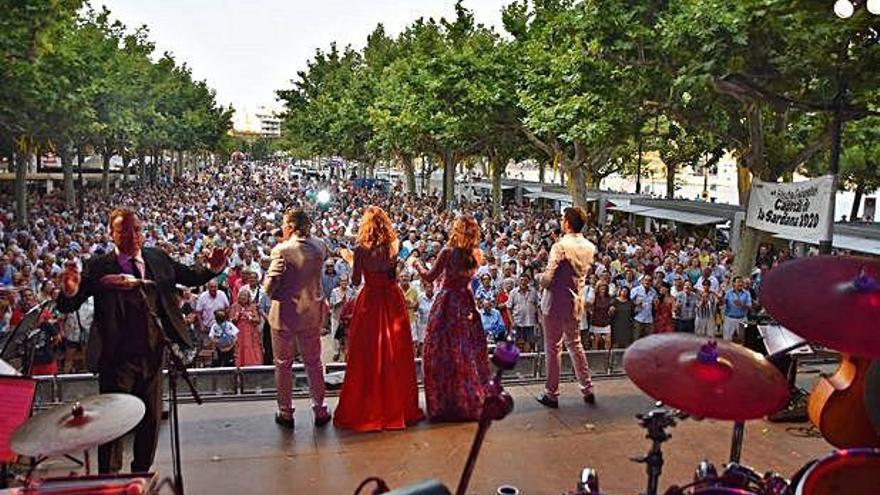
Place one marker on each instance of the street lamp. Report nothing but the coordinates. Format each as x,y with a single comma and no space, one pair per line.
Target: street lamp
843,8
846,8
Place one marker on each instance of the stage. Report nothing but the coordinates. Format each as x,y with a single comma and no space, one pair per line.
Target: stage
235,447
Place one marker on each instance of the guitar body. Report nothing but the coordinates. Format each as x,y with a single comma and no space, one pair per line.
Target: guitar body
837,406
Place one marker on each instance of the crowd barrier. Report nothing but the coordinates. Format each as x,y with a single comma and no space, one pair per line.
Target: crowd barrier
258,382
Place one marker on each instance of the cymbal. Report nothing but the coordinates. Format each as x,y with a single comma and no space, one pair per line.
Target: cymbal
706,378
832,300
65,429
7,369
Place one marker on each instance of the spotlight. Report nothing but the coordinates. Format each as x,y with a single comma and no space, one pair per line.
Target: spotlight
323,197
874,6
843,8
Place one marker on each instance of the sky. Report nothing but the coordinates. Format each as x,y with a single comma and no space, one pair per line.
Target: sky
247,49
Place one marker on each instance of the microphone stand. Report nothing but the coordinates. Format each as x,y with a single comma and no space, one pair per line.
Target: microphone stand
176,368
496,406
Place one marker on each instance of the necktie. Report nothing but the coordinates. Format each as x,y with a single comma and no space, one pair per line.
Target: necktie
134,268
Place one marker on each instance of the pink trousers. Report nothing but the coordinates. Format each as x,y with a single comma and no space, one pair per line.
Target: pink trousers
556,331
284,344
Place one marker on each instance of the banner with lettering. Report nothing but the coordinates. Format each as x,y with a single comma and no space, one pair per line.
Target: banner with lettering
795,210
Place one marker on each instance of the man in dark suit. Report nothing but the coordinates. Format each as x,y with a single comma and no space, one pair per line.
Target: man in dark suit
126,343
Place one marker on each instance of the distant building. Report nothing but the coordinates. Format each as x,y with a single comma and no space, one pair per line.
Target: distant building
262,123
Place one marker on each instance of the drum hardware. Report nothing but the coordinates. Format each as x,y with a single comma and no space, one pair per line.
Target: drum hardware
496,406
656,421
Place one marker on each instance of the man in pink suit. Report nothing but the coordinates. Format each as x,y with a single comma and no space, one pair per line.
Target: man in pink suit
298,309
562,304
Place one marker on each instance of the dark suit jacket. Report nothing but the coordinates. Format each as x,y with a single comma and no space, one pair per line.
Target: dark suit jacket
107,327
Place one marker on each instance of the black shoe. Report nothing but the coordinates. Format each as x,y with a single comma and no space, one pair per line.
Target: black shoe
322,420
590,398
285,422
546,400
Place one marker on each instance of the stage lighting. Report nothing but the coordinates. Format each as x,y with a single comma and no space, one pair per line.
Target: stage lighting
323,197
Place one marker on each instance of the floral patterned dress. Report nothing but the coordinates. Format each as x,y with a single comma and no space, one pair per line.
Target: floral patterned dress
455,356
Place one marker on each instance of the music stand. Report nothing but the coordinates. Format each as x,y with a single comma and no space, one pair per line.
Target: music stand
20,335
783,349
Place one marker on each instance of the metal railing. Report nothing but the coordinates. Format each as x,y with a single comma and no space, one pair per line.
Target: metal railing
258,382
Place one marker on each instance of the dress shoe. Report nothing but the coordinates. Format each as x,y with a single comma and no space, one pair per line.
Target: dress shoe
590,398
285,422
548,401
322,419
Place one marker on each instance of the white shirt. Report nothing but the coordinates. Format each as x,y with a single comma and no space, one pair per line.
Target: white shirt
206,305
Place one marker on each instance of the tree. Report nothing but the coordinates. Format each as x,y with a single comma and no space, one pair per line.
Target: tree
780,65
26,33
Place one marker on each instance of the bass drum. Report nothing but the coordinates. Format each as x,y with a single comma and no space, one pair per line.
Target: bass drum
843,472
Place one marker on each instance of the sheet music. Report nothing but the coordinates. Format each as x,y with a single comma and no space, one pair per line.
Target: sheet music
16,398
777,338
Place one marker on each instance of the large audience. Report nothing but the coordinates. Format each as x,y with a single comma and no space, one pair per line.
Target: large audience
640,283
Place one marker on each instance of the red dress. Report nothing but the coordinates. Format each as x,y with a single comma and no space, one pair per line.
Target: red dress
380,391
663,322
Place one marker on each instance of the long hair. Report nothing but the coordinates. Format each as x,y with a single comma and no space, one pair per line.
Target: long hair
376,229
465,242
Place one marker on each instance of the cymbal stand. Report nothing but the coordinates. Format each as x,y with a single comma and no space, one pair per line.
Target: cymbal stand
496,406
176,368
736,442
656,421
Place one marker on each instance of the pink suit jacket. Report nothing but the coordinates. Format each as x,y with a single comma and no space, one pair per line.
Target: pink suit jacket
293,282
563,280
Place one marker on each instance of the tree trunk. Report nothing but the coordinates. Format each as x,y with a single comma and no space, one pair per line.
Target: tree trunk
542,170
80,185
577,185
67,172
744,261
410,170
496,171
105,172
20,189
448,178
154,167
857,201
142,165
670,181
126,162
180,163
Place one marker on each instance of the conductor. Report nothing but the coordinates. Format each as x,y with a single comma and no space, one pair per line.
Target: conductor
125,346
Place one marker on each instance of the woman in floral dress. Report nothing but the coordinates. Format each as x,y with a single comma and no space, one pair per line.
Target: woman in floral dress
455,357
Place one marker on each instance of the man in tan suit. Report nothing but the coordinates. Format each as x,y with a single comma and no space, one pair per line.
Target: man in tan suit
562,304
293,282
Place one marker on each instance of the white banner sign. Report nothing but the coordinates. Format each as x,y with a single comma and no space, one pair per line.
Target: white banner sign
798,211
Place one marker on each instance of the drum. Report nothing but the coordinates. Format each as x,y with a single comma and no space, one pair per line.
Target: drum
850,472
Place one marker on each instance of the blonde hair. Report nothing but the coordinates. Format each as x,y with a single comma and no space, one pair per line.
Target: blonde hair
376,229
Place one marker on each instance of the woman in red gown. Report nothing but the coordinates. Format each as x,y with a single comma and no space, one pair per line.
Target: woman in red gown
380,390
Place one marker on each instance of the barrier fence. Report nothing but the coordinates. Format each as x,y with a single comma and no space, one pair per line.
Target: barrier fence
258,382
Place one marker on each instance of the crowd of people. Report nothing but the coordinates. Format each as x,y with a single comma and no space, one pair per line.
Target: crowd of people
639,283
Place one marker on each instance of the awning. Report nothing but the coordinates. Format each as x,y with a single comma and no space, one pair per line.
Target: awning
629,208
488,186
681,216
666,214
554,196
858,244
849,242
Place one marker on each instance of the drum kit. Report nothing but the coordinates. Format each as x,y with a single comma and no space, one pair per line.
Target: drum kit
831,301
66,430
